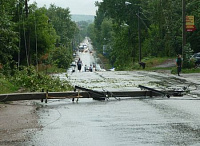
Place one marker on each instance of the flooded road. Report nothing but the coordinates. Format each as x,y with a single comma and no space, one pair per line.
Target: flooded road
125,122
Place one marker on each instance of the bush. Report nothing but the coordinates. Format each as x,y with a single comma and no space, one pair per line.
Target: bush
29,79
6,86
61,57
189,64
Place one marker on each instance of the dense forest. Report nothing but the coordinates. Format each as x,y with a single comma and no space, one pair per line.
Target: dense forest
33,36
123,27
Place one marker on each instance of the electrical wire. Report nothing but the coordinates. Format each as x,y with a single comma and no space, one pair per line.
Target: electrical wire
4,98
60,115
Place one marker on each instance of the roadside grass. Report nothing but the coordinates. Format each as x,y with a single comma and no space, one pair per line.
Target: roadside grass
6,86
28,80
159,68
154,61
151,63
31,80
186,71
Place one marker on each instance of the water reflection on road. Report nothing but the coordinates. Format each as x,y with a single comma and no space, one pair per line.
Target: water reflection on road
115,123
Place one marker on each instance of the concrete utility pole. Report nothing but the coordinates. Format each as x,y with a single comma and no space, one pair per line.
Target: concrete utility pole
139,31
139,36
183,27
26,8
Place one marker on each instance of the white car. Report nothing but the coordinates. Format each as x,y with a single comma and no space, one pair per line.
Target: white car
196,56
112,69
73,64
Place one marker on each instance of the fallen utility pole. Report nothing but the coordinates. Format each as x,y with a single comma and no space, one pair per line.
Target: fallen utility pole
92,93
70,95
88,93
155,91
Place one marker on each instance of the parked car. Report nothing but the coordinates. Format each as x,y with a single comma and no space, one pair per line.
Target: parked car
196,56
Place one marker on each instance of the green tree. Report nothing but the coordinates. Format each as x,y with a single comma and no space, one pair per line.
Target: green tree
193,8
37,35
65,28
61,57
8,37
160,24
43,35
83,27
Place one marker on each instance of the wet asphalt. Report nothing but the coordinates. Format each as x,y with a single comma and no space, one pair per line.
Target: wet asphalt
160,121
125,122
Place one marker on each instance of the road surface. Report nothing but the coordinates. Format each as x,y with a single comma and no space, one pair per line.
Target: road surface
128,122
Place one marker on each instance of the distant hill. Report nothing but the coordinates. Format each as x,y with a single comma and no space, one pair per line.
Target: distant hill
77,18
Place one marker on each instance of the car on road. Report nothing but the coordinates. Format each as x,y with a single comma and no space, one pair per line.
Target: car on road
81,48
112,69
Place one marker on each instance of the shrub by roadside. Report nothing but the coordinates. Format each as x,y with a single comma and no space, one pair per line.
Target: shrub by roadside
33,81
6,86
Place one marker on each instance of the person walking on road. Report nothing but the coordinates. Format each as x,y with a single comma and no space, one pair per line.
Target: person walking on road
179,64
79,64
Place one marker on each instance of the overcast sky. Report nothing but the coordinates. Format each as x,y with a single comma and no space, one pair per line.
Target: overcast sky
85,7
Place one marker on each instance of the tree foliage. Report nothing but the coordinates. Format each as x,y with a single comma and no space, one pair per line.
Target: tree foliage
8,37
61,57
27,33
61,20
28,78
160,24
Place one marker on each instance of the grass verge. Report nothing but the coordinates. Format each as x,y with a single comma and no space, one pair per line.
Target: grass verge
186,71
151,64
6,86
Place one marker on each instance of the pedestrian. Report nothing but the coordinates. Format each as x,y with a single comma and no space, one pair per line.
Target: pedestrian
179,64
94,67
90,68
79,64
